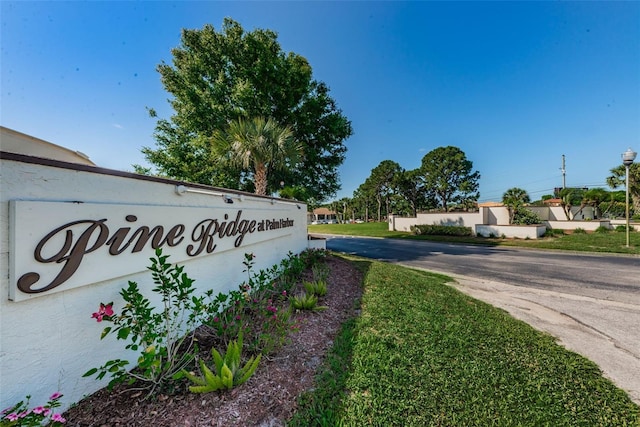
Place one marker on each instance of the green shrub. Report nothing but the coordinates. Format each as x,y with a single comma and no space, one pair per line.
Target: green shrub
158,335
525,217
553,232
623,228
579,231
253,308
441,230
603,229
311,257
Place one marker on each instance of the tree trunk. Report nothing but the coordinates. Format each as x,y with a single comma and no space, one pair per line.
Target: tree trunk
260,179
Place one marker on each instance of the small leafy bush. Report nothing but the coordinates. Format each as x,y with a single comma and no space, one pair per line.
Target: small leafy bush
226,372
20,415
253,308
579,231
311,257
273,332
553,232
623,228
525,216
603,229
159,336
292,267
441,230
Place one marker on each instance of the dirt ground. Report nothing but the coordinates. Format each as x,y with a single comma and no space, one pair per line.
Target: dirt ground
269,398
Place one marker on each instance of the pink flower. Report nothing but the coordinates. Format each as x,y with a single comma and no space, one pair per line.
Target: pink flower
105,310
56,395
23,414
58,418
46,412
12,416
38,410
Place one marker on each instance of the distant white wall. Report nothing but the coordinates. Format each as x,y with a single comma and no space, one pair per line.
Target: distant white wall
549,213
557,213
496,215
497,220
48,340
462,219
585,225
514,231
617,222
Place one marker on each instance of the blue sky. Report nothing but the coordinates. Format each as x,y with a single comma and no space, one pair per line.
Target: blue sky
515,85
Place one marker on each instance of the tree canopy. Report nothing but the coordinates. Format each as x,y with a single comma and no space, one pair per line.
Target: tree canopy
380,184
410,186
448,173
217,77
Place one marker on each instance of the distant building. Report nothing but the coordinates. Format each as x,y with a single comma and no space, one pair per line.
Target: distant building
552,202
17,142
322,216
490,204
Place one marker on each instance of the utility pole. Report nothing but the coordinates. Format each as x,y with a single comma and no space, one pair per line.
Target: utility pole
564,174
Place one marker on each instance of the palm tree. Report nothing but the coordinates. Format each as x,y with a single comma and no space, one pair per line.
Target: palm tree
593,198
257,146
514,198
618,178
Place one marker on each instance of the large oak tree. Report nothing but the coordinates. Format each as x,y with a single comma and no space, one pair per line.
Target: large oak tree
217,77
450,176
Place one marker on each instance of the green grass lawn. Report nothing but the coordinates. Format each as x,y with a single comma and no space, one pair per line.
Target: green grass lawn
423,354
613,241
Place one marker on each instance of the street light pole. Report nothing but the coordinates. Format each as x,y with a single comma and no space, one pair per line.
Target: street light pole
627,160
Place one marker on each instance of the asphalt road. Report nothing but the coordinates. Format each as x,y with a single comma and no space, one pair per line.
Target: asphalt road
590,302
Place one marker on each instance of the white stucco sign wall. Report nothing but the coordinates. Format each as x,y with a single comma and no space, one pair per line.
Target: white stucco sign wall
72,236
